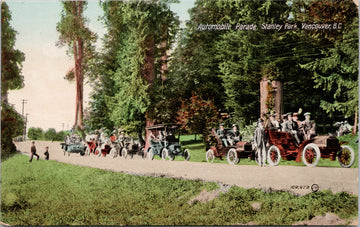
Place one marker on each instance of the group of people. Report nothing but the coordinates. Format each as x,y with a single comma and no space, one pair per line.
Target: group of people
162,135
229,138
301,130
33,152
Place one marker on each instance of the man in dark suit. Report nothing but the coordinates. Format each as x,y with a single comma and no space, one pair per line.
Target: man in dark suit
33,152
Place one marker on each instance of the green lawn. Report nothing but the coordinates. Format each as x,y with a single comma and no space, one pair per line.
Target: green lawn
52,193
197,151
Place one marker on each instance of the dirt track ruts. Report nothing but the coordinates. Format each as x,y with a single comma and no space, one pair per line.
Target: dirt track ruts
246,176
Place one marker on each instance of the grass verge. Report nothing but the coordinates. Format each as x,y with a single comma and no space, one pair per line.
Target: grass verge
52,193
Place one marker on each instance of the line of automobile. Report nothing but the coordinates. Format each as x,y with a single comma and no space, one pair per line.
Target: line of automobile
164,143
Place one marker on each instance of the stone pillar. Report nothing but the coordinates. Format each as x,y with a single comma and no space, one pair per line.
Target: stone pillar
270,97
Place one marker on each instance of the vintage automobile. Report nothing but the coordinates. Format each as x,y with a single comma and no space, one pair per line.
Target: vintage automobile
283,145
104,146
73,144
233,152
126,146
164,144
92,144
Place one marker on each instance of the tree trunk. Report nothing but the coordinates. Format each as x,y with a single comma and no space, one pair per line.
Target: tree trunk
148,67
276,99
76,80
78,49
148,74
80,85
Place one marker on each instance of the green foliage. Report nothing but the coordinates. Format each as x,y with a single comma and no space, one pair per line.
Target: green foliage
337,73
77,36
72,27
126,81
11,59
12,125
197,115
53,193
50,134
35,133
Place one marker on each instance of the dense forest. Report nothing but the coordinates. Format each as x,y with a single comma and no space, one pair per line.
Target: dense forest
152,71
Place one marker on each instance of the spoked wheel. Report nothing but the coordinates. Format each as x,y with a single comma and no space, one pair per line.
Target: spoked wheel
150,154
186,154
113,152
87,151
232,156
165,155
311,154
142,153
100,153
97,152
273,155
210,156
346,156
124,153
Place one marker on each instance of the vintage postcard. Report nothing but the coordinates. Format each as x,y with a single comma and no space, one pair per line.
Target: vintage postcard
179,112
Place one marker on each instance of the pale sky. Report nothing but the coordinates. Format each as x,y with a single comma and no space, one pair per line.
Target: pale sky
51,98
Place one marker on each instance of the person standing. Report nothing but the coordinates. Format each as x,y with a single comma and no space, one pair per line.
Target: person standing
46,153
259,143
33,152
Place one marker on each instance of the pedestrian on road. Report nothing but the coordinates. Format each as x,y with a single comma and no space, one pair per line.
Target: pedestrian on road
33,152
46,153
259,143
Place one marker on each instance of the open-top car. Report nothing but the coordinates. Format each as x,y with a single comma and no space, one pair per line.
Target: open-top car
164,143
126,146
73,144
283,145
233,151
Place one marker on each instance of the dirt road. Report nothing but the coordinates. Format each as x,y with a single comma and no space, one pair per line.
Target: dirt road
299,180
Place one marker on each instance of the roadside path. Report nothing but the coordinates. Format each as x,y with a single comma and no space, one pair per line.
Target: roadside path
299,180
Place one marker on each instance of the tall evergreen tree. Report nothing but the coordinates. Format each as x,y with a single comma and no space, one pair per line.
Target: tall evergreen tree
139,36
79,39
335,71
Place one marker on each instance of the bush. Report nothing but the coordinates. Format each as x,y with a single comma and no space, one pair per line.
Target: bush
35,133
12,125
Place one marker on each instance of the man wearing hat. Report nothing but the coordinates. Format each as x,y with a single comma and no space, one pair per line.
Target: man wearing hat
33,152
284,122
221,133
271,123
291,127
234,135
259,143
308,126
296,122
